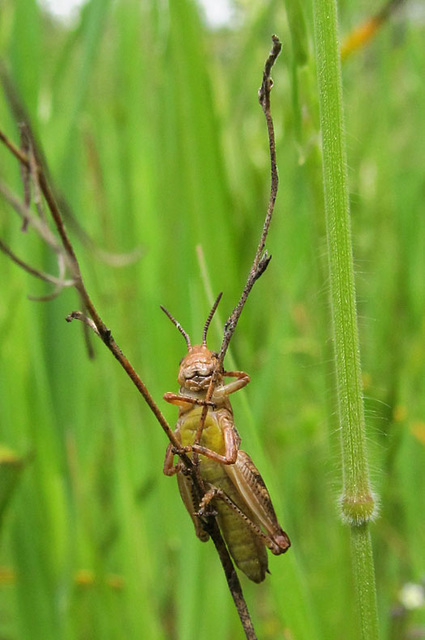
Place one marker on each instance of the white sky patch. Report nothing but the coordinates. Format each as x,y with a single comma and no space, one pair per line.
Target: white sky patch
64,10
218,13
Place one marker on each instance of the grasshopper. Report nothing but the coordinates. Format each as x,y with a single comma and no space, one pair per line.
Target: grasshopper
235,488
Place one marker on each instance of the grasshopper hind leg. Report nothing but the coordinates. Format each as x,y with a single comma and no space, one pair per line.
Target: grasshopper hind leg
251,488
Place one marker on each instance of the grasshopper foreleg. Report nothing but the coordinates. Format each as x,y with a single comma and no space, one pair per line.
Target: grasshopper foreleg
225,390
183,400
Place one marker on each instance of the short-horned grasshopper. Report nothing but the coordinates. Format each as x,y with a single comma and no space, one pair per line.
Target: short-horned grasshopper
235,488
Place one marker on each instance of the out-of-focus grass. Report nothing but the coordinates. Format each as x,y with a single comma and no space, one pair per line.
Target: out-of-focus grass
152,131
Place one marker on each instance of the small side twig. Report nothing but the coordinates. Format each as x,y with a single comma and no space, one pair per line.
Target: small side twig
78,315
28,218
25,173
59,282
68,249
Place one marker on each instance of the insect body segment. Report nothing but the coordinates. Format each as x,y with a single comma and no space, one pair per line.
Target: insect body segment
236,490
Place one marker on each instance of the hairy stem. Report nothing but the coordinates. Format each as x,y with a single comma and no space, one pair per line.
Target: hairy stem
357,500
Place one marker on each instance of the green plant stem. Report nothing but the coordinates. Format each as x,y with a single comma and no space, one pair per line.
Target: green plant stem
357,500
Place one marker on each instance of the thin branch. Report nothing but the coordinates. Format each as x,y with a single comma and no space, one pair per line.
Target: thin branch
261,259
27,216
29,159
59,282
103,331
37,197
20,155
21,116
259,265
233,582
92,320
25,171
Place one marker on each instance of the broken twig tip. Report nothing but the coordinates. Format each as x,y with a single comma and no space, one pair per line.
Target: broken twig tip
276,42
79,315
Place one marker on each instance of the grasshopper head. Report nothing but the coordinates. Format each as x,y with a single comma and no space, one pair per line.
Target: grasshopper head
198,365
196,368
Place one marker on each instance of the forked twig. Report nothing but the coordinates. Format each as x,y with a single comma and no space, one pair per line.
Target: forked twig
36,155
34,174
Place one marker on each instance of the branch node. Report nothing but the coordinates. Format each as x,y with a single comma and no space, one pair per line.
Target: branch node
262,265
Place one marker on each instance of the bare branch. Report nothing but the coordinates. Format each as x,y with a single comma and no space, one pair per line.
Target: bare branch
28,217
261,259
37,197
233,582
35,272
259,265
25,171
29,159
72,261
47,297
36,157
58,289
20,155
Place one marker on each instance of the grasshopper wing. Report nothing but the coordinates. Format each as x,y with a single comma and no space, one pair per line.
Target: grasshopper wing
253,491
185,488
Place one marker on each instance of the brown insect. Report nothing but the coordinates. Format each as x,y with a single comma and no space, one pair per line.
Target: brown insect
235,488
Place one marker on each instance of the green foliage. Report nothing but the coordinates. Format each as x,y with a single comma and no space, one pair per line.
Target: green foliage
150,124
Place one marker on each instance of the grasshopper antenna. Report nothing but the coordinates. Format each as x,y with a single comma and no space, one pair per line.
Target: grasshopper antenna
210,317
179,327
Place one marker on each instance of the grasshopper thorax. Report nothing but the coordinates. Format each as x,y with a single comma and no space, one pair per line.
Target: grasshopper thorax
196,368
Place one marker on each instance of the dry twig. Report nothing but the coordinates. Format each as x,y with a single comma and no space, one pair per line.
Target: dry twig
261,258
36,181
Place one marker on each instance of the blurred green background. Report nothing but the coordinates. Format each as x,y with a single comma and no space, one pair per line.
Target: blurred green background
149,120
